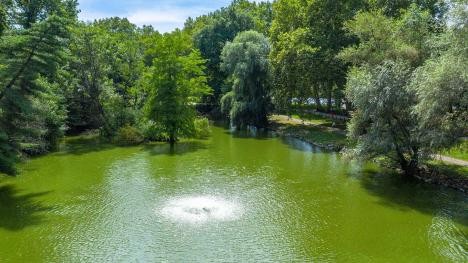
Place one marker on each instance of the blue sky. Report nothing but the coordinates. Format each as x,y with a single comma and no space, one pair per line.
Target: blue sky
164,15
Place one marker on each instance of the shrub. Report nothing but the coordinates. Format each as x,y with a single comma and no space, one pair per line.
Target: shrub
202,128
129,135
116,119
152,131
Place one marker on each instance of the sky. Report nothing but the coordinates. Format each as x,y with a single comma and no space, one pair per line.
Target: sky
163,15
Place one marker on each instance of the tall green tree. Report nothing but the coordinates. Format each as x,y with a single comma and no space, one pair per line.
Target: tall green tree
88,78
393,8
105,67
441,85
123,54
383,123
221,26
384,38
306,37
32,51
246,61
409,89
3,19
176,82
291,54
325,21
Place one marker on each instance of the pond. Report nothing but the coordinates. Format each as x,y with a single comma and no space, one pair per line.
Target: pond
235,197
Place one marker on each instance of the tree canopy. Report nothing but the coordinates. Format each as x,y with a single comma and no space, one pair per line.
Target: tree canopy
176,82
397,68
246,61
408,87
33,49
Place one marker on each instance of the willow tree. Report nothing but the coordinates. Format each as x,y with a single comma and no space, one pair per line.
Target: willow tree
409,96
383,123
246,61
176,81
221,26
384,38
441,85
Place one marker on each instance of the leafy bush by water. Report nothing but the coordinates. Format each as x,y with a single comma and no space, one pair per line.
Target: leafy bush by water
153,131
202,128
129,135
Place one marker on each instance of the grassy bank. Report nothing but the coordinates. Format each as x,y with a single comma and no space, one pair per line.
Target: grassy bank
449,169
330,134
319,131
459,151
449,175
319,120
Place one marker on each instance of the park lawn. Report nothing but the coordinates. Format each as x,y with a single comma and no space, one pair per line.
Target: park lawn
316,131
313,119
459,151
320,120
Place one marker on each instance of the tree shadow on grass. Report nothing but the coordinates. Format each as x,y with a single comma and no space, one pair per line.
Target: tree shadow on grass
18,211
407,193
179,148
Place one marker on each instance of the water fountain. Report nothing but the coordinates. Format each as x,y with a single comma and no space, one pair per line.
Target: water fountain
201,209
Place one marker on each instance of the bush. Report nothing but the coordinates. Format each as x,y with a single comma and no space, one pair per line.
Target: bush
152,131
129,135
8,155
116,119
202,128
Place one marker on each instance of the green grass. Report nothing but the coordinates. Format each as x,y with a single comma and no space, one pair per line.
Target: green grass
320,120
318,130
317,134
326,137
459,151
449,169
314,119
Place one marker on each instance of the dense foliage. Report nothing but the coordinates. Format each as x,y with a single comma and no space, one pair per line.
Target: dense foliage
211,32
383,122
398,68
32,48
409,86
176,81
246,61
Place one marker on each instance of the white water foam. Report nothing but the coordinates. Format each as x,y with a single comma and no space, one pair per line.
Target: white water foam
201,209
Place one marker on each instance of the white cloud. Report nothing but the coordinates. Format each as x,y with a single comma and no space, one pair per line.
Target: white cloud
162,19
163,15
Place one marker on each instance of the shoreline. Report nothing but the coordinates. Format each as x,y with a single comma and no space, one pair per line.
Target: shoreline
436,173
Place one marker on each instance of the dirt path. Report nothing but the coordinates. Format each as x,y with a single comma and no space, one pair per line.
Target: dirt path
450,160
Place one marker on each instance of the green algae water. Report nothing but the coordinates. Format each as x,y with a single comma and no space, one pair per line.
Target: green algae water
235,197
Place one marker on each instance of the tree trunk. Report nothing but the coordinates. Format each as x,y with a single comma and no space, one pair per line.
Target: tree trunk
317,103
172,139
410,167
348,105
316,95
